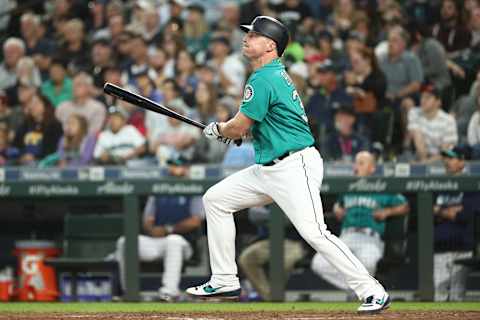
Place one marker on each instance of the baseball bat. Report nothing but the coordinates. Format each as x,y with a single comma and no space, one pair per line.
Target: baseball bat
148,104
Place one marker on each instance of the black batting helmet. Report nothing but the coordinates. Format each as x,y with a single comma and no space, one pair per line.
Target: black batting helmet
270,28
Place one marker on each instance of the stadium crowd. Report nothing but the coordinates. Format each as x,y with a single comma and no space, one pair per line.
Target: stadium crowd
398,78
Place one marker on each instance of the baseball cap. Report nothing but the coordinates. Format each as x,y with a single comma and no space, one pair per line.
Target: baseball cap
117,110
458,152
347,109
221,39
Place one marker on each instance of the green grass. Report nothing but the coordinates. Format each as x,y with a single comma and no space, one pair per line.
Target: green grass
15,307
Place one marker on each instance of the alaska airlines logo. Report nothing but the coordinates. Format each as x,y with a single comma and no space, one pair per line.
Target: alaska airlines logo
115,188
364,185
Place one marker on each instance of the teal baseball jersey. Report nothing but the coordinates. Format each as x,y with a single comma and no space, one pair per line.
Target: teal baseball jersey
271,100
360,208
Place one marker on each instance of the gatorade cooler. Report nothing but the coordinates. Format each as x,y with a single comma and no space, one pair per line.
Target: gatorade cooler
36,281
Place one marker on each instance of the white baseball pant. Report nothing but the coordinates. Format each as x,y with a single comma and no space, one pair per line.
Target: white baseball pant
294,184
174,249
450,278
368,249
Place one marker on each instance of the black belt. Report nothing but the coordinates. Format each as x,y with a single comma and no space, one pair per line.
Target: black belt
283,156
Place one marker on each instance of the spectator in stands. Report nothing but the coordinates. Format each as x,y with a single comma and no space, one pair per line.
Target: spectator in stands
43,59
30,29
230,23
196,31
473,134
434,61
102,58
231,71
452,33
27,72
138,52
114,30
431,128
8,153
151,26
327,50
157,59
254,257
366,83
342,17
474,25
343,143
13,50
75,46
329,96
185,75
39,134
206,102
170,226
58,88
83,103
119,142
295,14
77,145
176,139
403,70
453,214
10,118
363,217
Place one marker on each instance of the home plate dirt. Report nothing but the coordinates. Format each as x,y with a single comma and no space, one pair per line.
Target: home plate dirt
404,315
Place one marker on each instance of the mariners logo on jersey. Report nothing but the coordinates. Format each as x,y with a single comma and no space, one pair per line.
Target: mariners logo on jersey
248,93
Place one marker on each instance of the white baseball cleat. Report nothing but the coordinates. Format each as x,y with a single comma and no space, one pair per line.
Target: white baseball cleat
206,290
375,304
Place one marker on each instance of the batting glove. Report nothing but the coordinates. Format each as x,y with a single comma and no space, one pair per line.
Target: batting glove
212,132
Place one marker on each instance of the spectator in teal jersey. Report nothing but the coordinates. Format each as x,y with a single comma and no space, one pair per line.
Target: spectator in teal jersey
363,217
58,88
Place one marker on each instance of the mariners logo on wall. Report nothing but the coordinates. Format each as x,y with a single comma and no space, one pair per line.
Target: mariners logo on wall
248,93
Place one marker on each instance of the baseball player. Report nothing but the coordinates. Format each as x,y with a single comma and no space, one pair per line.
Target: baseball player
363,218
288,170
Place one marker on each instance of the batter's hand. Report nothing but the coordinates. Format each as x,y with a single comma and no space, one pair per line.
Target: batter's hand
212,132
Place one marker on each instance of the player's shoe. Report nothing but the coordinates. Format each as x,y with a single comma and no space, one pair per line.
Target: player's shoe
206,291
375,304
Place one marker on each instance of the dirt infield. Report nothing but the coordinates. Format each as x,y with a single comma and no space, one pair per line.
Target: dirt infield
404,315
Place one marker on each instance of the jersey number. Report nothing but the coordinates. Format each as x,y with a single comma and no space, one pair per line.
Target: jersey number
296,97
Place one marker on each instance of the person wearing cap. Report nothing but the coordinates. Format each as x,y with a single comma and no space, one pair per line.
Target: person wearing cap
344,143
119,142
431,128
58,88
328,96
288,170
453,234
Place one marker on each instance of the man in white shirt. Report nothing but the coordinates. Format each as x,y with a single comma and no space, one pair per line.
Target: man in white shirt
120,142
431,128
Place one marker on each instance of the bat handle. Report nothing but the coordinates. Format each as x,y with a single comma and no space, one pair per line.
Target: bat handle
238,142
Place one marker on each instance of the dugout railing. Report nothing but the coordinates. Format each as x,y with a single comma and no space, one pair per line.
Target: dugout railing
130,184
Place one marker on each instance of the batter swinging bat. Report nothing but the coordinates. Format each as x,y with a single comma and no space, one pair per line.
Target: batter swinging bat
148,104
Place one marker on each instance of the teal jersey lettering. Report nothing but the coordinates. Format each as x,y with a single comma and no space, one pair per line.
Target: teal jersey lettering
360,208
271,100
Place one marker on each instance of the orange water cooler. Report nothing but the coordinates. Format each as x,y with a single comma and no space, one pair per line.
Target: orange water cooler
36,280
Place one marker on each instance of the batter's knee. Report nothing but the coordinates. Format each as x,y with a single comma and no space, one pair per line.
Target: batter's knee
318,264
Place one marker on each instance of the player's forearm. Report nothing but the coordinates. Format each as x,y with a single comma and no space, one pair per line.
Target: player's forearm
398,210
235,128
187,225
